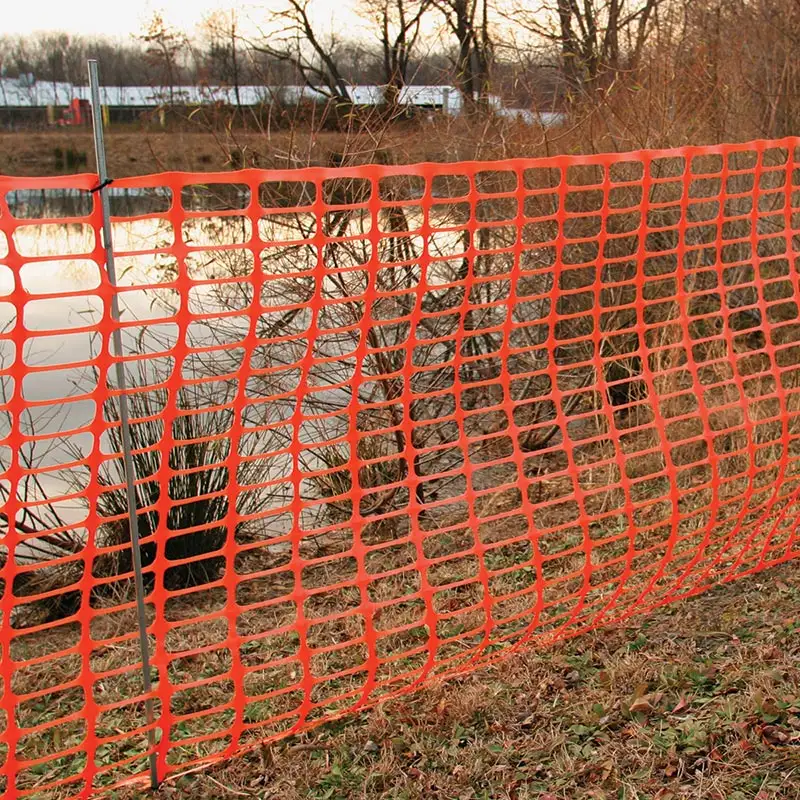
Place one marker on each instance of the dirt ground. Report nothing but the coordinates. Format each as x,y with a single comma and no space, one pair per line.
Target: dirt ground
698,700
130,152
134,150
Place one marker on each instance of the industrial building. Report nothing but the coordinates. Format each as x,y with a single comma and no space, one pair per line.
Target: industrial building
27,102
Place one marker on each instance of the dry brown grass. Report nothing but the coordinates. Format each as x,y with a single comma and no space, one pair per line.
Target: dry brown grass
135,152
700,700
130,152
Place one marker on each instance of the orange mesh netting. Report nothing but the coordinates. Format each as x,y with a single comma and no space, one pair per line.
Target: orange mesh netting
388,423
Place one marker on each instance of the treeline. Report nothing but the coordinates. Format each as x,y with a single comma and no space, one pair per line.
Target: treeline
482,46
62,57
222,55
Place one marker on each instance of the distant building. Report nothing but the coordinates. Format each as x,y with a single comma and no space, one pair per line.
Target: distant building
24,99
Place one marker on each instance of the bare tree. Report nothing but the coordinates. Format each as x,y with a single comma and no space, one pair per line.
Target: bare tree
299,44
164,47
593,37
398,23
224,57
468,21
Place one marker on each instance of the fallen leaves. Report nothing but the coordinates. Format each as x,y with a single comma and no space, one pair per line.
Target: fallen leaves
681,706
774,735
641,705
642,702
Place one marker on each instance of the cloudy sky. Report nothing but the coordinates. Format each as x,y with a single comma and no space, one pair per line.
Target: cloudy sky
126,18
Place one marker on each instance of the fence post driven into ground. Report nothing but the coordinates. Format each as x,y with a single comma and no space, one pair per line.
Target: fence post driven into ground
130,475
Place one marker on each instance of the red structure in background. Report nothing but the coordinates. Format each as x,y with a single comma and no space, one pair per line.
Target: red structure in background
77,114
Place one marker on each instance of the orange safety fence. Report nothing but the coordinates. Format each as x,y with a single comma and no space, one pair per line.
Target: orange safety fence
388,423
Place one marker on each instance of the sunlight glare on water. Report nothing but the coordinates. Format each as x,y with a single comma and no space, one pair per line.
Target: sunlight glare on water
65,301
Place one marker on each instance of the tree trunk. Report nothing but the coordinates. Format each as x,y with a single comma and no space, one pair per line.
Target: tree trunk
569,45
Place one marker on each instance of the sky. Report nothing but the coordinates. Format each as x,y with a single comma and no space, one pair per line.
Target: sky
123,19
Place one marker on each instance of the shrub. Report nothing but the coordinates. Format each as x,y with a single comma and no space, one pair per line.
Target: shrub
197,477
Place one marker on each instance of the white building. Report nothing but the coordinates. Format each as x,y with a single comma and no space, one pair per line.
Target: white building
27,93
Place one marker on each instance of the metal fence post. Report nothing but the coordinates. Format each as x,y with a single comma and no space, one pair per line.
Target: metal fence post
130,472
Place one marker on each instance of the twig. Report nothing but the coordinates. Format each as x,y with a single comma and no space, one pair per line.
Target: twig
228,788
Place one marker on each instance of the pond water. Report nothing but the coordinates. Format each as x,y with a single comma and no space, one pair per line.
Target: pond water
63,310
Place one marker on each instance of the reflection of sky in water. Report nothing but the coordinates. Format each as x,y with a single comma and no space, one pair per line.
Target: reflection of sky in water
65,388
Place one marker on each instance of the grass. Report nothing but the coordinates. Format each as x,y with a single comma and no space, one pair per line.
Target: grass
701,699
135,149
138,150
132,151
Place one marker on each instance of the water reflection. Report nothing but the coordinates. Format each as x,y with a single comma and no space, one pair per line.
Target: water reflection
61,203
64,333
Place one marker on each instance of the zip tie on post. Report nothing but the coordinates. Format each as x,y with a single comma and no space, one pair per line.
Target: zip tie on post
101,185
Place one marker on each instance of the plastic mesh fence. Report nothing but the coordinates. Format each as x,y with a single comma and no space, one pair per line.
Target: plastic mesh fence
389,423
